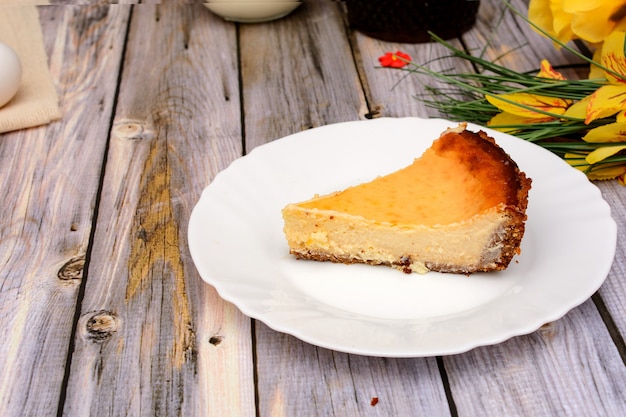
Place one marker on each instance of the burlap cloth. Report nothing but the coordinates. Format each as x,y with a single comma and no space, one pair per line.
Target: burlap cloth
36,102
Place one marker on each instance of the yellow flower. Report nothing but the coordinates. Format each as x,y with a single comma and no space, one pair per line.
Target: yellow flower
601,172
610,99
612,57
515,106
611,132
517,109
589,20
503,119
554,105
605,102
581,121
578,110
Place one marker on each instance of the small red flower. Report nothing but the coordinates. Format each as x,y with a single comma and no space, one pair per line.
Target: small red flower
394,60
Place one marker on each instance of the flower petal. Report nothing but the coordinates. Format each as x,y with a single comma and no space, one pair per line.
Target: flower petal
403,55
601,172
394,60
602,153
605,102
503,120
578,110
592,25
611,132
554,105
549,15
596,72
577,161
547,71
540,13
613,57
607,172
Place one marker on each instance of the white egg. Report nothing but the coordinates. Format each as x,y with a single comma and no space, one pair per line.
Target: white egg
10,73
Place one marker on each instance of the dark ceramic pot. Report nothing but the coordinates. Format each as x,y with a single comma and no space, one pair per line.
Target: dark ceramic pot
409,21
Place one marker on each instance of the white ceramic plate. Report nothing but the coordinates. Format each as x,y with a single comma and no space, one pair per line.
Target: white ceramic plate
237,244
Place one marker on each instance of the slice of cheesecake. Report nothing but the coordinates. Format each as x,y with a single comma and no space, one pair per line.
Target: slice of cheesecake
460,207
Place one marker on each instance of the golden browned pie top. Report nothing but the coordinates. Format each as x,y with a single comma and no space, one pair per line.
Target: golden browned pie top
462,174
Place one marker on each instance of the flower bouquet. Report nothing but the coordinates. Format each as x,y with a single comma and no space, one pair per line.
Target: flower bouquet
583,121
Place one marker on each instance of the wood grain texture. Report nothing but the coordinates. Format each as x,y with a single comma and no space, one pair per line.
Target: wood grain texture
613,291
568,367
49,186
157,99
298,73
153,339
297,379
392,93
504,37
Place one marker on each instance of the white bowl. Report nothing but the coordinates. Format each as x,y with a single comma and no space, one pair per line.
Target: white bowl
252,11
253,1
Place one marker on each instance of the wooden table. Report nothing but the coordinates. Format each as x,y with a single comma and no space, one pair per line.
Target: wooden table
102,311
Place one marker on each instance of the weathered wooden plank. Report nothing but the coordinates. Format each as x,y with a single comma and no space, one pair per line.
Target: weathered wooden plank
302,379
568,367
613,291
393,93
49,187
152,338
299,73
509,40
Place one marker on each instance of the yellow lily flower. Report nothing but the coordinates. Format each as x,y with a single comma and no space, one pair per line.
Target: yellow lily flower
612,57
611,132
514,114
578,110
546,71
605,102
601,154
599,173
554,105
566,20
508,119
596,72
610,99
601,22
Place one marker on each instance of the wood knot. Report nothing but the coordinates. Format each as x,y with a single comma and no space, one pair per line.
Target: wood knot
132,130
100,326
548,330
216,340
72,269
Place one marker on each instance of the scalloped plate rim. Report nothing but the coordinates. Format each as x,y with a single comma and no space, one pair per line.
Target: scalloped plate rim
257,299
